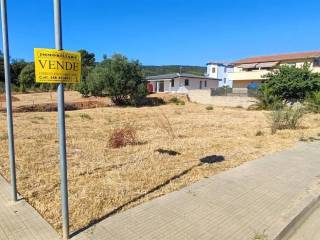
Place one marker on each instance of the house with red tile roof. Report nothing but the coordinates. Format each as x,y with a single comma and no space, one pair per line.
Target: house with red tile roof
253,69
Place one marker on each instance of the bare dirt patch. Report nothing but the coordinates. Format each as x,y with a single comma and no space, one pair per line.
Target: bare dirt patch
52,107
176,146
47,102
3,98
167,96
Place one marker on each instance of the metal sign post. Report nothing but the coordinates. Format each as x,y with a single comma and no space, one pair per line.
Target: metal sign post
8,98
62,132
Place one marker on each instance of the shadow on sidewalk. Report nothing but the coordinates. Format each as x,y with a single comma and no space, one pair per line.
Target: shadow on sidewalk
205,160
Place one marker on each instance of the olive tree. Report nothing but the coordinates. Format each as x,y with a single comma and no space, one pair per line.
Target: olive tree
118,78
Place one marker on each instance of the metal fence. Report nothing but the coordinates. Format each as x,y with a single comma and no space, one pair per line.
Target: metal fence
239,92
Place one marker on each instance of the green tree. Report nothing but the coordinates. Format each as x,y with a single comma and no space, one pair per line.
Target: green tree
119,78
87,59
291,83
87,64
27,77
16,67
1,67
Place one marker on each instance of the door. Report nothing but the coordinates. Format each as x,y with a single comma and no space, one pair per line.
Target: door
161,86
150,87
200,85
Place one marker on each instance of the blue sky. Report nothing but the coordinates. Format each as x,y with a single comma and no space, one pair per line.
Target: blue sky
158,32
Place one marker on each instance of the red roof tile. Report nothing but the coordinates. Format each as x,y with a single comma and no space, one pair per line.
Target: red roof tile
279,57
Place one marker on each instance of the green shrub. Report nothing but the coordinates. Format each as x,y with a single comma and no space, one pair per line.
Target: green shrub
286,118
312,102
292,83
209,108
87,64
266,100
176,101
27,77
83,88
2,87
173,100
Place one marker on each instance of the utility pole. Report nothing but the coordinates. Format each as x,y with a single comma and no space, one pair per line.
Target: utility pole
62,131
8,98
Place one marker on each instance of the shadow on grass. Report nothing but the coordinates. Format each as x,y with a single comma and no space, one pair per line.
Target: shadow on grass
212,159
205,160
168,152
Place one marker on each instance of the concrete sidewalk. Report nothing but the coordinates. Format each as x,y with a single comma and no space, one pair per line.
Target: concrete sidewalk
259,197
20,221
310,227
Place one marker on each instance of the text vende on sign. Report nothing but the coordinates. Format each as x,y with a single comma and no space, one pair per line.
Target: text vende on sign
57,66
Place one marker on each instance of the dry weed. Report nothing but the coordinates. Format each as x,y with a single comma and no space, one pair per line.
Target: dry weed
121,137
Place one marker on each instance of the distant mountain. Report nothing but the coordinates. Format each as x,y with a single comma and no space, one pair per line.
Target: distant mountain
150,70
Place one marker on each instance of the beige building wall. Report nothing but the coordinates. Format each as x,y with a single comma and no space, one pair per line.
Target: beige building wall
243,83
242,78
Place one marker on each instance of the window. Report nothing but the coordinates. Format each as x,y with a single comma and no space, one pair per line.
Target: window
225,69
205,83
213,70
224,80
186,82
316,62
172,83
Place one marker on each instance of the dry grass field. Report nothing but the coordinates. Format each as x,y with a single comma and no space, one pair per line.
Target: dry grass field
177,146
21,100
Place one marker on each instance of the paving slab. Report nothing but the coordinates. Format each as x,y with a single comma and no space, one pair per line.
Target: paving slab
259,197
19,221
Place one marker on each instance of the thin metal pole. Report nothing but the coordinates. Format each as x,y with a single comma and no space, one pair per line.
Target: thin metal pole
8,98
62,132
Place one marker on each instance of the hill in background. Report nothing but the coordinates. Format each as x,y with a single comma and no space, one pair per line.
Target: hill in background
165,69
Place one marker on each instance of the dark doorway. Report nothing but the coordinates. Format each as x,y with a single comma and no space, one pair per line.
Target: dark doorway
161,86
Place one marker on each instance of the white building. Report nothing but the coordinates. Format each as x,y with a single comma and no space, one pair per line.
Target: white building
180,82
220,71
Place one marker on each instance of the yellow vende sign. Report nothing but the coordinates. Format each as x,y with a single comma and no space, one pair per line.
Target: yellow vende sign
57,66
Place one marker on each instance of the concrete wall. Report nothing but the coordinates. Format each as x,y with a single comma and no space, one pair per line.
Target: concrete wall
248,75
204,97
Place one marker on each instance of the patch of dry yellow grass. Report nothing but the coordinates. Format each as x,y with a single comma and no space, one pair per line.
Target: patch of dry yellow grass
102,179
